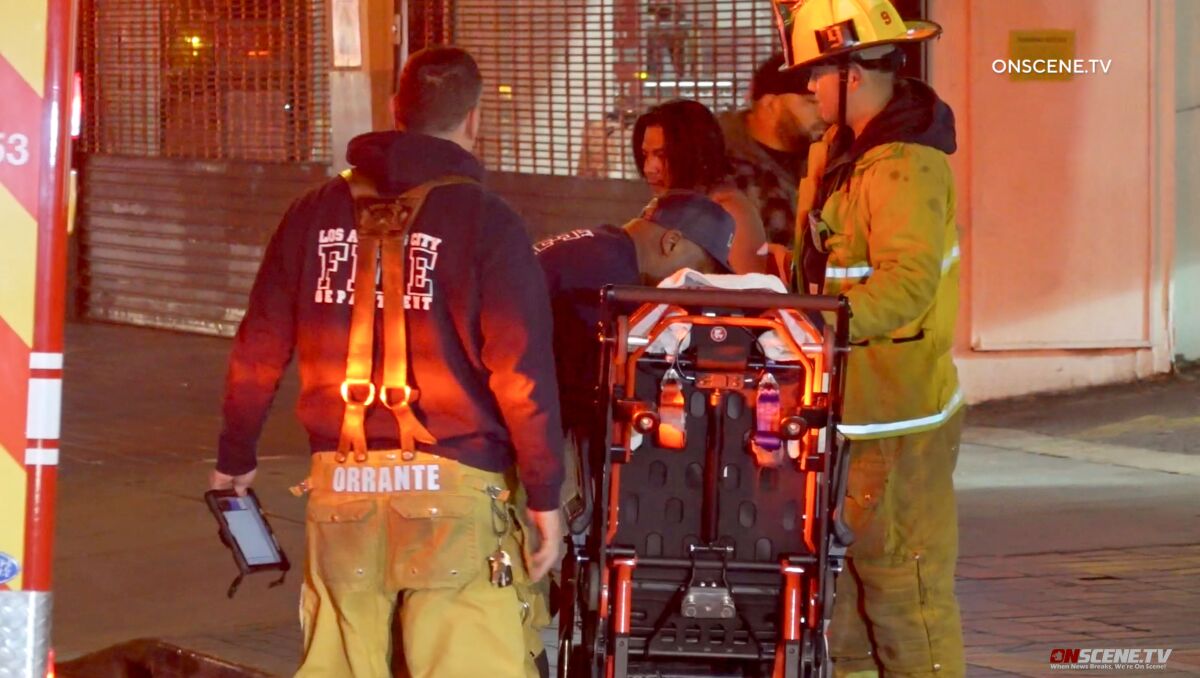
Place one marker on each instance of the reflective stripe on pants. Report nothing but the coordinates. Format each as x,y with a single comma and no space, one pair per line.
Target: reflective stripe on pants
896,610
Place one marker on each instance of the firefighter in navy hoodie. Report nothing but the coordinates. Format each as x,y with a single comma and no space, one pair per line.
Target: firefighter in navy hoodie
430,527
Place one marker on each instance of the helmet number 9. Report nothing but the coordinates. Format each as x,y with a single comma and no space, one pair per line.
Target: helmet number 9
834,36
887,18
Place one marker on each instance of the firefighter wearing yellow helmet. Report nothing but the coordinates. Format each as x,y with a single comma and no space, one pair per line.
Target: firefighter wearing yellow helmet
877,224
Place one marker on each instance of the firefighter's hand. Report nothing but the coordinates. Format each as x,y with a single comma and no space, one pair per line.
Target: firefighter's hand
239,484
549,552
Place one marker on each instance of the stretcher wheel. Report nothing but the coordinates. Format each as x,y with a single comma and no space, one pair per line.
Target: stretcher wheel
793,428
565,659
808,659
645,421
591,587
573,662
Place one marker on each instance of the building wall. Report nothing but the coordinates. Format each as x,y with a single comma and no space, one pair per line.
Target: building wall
1066,191
183,101
359,95
1186,282
1066,200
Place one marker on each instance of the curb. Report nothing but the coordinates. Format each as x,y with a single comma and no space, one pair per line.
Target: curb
1096,453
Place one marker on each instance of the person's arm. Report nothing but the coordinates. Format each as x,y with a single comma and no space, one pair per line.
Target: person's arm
517,330
261,351
747,254
907,198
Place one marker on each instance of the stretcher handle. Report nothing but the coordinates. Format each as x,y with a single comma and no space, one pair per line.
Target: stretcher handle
633,294
841,531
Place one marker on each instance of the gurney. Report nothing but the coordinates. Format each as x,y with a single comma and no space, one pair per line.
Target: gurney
716,477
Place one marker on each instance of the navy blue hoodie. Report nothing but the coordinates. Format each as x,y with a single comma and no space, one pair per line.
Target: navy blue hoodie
479,322
577,266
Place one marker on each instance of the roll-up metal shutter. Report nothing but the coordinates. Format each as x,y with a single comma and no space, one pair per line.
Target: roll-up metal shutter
203,119
175,243
566,79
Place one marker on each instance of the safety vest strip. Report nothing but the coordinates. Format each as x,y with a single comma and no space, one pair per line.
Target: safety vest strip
862,271
895,428
843,273
950,259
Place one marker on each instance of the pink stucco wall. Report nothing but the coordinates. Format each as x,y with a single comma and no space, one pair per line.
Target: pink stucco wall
1066,197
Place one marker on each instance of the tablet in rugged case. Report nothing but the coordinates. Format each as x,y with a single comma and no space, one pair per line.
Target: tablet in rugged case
245,530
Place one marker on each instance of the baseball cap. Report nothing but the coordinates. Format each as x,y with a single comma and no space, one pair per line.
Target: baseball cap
769,79
698,219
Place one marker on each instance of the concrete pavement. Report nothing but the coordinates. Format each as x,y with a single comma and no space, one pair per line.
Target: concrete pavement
1079,516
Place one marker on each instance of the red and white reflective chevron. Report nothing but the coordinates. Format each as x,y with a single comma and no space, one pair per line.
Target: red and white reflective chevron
35,49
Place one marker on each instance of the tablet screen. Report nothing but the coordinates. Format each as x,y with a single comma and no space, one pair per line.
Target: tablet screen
249,531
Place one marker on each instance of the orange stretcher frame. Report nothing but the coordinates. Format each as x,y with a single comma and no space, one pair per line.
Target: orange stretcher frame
607,569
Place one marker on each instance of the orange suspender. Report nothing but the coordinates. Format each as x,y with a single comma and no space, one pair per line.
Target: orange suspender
383,224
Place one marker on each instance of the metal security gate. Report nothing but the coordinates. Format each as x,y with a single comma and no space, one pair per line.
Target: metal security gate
202,120
176,243
565,80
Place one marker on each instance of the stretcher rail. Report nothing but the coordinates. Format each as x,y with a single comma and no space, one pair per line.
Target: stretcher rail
631,294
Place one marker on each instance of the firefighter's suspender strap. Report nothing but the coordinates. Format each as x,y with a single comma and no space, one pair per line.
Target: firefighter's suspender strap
383,224
806,202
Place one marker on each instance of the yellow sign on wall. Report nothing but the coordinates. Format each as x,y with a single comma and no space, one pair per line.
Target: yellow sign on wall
1041,55
347,34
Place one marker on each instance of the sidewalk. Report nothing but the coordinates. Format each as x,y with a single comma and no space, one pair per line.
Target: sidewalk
1160,414
1079,514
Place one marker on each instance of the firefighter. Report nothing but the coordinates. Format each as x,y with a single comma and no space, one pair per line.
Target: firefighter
881,232
426,390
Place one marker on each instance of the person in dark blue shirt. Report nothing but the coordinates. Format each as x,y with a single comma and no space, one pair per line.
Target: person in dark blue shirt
679,229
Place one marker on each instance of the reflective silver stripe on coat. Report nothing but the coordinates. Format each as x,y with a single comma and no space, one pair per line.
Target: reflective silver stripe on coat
949,259
900,427
862,270
839,273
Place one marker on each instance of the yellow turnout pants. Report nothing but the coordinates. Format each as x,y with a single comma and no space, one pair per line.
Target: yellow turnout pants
896,613
410,534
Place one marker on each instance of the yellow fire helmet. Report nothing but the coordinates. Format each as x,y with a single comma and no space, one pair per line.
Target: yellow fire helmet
820,30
